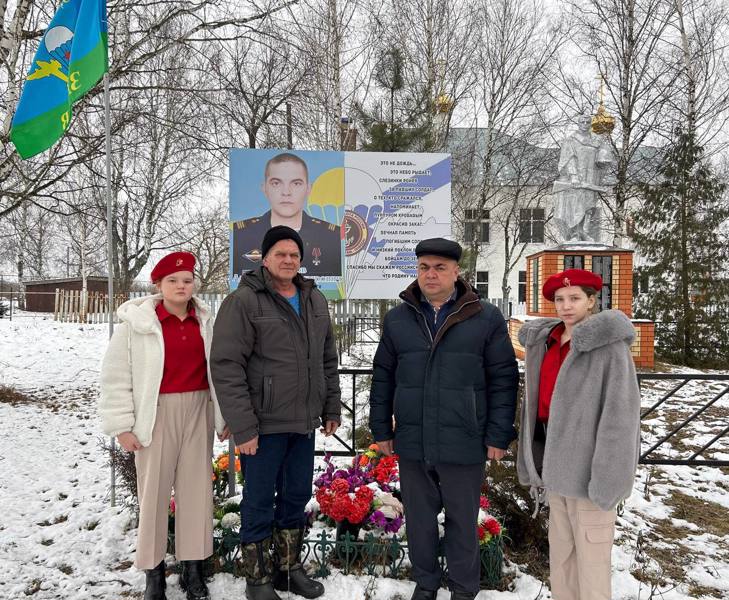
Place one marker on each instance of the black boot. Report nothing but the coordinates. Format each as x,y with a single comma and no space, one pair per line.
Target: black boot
156,583
192,580
422,594
258,568
290,574
461,595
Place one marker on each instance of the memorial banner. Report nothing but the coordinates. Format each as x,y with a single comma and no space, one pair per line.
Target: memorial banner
359,214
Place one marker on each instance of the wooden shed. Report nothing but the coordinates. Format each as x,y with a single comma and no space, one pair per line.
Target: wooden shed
40,295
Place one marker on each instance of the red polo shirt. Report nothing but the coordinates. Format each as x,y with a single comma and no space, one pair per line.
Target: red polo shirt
553,359
185,367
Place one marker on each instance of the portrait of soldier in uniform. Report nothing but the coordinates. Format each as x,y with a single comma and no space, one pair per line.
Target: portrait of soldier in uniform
286,186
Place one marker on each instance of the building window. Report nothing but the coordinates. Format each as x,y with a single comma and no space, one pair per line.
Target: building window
522,287
475,228
482,283
603,266
535,284
574,262
640,281
531,225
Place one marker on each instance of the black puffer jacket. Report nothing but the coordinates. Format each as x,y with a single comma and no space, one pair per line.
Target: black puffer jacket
451,396
273,370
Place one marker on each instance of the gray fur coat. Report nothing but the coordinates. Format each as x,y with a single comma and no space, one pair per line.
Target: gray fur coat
593,436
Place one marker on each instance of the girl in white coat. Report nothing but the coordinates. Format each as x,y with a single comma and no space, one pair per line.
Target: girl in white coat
158,401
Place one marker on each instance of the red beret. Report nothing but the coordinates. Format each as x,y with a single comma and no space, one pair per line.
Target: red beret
568,278
177,261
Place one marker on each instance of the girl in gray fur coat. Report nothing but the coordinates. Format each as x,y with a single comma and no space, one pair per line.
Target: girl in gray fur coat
580,430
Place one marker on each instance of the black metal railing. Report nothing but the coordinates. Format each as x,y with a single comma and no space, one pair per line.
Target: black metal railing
349,412
357,330
696,409
695,456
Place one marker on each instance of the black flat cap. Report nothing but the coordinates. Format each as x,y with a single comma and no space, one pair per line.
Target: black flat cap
439,247
278,233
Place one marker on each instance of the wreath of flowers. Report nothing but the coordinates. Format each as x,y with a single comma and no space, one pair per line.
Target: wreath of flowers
362,493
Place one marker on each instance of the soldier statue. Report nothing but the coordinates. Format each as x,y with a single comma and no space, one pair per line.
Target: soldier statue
583,160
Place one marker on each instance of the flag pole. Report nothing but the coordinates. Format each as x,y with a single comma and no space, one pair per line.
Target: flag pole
109,255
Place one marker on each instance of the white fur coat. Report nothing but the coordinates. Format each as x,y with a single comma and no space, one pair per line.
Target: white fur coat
131,372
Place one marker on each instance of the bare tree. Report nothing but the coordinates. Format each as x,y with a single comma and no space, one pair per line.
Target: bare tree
207,237
531,173
626,42
256,77
700,101
140,31
34,230
338,38
514,64
440,43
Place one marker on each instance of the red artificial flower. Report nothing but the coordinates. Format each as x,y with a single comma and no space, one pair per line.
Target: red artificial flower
340,486
481,532
484,503
493,527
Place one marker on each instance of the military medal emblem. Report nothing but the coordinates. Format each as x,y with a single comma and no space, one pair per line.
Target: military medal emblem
355,232
316,256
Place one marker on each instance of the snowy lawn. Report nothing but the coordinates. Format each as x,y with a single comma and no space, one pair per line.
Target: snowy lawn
59,537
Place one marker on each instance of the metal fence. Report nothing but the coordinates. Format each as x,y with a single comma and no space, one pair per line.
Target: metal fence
371,556
688,416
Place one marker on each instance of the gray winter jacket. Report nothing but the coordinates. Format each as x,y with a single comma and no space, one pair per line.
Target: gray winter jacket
274,371
593,435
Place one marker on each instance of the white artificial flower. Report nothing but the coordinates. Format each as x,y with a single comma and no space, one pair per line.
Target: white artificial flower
230,521
233,501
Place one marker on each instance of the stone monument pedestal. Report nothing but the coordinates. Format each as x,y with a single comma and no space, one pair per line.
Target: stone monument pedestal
614,265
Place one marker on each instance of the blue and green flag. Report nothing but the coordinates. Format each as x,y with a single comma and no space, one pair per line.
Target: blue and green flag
70,60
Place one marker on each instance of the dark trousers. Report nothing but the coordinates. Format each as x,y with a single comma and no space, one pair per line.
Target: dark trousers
426,489
277,485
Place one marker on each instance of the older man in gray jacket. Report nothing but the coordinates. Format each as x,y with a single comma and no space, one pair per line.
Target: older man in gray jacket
274,364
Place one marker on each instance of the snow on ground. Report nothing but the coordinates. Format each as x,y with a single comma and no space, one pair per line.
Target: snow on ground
60,538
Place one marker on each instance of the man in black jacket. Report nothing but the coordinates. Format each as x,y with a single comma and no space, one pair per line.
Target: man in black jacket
274,368
443,398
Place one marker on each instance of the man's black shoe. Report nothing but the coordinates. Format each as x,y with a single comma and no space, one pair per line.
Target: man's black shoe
461,595
156,584
192,580
297,582
423,594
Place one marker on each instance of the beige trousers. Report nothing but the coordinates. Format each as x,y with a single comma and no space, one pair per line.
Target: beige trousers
580,545
179,456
